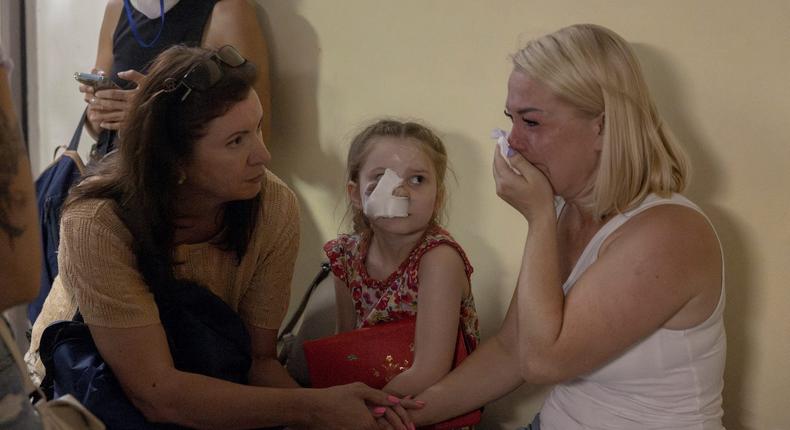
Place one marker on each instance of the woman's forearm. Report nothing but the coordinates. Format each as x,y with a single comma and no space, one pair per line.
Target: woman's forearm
540,299
202,402
486,375
268,372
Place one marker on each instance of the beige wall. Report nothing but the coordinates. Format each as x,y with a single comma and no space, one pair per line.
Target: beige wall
718,70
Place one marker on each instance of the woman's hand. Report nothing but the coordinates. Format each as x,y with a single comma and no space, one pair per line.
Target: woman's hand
346,407
108,108
396,417
530,193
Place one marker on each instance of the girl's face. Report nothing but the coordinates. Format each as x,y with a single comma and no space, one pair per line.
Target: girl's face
410,162
228,161
553,135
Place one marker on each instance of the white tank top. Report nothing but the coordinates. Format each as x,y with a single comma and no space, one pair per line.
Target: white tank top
671,380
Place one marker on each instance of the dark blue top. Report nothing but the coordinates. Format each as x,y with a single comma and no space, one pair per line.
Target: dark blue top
184,23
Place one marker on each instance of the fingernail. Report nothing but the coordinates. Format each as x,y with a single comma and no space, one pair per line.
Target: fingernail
379,410
393,399
419,402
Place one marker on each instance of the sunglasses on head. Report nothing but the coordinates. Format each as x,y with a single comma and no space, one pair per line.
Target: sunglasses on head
206,73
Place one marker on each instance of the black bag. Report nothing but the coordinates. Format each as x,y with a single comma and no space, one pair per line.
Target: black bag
204,334
52,188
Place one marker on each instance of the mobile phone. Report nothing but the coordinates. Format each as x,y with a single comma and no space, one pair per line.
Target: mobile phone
98,82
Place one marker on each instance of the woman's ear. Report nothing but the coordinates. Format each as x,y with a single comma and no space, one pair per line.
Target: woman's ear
600,122
353,195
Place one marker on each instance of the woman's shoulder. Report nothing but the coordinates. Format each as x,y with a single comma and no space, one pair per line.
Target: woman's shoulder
673,213
674,222
99,209
94,215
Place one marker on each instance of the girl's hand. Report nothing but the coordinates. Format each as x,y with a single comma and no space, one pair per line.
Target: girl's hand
529,193
396,417
108,108
346,407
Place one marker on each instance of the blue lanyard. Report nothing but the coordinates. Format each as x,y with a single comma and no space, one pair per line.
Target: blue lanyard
128,8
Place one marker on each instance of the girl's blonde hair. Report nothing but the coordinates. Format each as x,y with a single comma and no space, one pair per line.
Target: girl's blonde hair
429,143
595,70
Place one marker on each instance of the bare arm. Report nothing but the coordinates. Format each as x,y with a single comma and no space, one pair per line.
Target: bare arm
20,247
344,305
660,269
489,373
266,371
142,363
234,22
104,57
443,282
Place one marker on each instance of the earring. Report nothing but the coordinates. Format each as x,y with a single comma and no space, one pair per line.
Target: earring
182,178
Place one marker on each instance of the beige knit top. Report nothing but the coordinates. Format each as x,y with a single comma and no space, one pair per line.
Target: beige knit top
98,269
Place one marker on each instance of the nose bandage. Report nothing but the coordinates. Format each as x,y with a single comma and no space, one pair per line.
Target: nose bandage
381,203
504,147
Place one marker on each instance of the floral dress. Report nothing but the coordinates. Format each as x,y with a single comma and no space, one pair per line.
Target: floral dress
396,297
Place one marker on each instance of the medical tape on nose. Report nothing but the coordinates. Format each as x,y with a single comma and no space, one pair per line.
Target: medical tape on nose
504,147
381,203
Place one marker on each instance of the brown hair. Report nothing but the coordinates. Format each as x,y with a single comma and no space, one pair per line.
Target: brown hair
157,137
430,144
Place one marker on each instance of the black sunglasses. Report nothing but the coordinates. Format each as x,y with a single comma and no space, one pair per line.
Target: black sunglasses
208,72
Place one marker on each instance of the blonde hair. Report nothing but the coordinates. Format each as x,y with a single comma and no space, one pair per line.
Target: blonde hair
595,70
429,143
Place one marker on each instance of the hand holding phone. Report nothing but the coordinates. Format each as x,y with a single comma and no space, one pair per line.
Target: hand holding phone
98,82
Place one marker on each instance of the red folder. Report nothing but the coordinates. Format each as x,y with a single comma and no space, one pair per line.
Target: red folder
374,355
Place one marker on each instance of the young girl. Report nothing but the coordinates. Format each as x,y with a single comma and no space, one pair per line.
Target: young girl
399,262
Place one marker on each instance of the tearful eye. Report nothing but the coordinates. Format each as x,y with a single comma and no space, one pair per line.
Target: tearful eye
417,179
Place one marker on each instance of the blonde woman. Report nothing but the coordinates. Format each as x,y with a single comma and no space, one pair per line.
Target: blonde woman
620,296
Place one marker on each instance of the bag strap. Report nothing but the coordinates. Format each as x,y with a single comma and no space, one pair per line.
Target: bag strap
8,339
75,139
289,326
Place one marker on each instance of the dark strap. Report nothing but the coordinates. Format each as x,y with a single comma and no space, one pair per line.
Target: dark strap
75,140
322,274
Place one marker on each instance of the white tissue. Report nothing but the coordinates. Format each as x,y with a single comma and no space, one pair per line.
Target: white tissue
381,203
504,147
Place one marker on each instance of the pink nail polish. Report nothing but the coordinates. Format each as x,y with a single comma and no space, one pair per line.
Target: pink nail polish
393,399
379,410
419,402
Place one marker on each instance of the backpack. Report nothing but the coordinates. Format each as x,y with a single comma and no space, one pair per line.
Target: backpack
204,334
52,188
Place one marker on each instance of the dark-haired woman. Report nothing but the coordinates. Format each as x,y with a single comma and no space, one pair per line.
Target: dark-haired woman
188,197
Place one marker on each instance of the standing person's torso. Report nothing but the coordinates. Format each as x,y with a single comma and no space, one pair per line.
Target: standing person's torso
185,24
670,380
